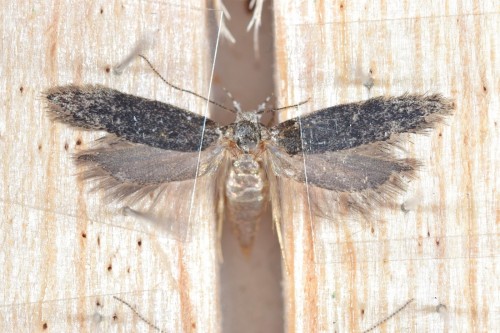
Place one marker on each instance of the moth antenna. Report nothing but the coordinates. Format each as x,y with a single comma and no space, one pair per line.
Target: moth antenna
237,106
401,308
141,317
233,101
182,89
288,106
262,107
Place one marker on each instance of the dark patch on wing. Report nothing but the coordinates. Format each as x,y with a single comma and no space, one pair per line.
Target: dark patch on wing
351,125
133,118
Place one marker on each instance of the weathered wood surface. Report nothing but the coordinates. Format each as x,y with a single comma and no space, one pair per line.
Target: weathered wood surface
443,252
64,253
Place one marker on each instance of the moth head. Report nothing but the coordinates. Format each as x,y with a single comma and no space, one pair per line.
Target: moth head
247,131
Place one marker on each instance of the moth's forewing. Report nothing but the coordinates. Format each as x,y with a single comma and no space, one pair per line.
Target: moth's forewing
352,125
344,156
152,158
129,117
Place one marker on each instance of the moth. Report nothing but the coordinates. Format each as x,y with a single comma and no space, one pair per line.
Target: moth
344,150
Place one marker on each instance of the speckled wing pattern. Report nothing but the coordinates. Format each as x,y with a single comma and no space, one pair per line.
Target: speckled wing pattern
130,117
349,148
150,145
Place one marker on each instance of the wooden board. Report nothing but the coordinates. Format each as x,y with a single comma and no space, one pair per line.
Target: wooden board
443,251
66,254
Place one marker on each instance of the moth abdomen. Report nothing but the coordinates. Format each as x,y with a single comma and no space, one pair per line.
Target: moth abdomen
246,193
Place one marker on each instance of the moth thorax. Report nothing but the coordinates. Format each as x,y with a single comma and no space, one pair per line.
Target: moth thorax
247,135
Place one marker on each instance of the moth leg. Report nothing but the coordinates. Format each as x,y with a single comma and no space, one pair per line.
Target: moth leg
220,207
276,212
220,224
276,221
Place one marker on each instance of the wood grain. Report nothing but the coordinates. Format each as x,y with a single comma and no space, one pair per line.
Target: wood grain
65,254
346,275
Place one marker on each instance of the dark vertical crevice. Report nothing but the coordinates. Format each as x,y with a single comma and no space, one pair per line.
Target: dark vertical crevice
251,295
